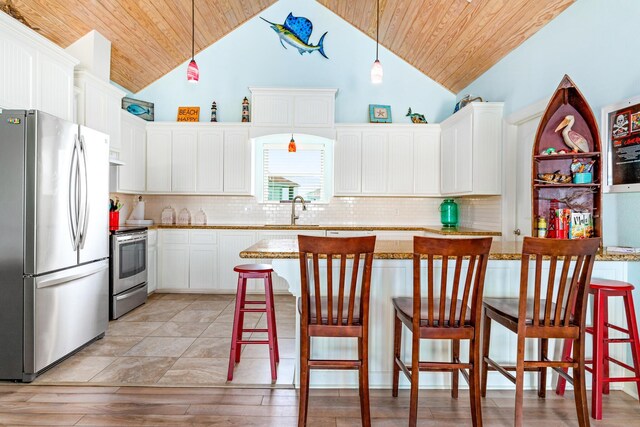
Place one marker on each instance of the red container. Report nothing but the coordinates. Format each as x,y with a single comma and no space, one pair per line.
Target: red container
114,219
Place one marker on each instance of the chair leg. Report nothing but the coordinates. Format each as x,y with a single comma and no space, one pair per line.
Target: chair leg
632,326
363,381
474,381
598,330
579,386
397,339
605,346
415,377
566,356
273,321
519,416
242,293
304,377
486,335
273,343
455,374
236,334
543,348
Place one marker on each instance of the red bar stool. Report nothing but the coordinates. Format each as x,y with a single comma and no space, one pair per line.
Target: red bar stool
254,271
602,289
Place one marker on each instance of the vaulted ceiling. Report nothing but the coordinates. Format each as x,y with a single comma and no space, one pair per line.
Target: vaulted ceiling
451,41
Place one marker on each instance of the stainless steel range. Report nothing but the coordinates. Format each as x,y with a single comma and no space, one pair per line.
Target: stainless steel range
128,273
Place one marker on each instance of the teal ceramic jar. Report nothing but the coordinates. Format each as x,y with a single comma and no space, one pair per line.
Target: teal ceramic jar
449,213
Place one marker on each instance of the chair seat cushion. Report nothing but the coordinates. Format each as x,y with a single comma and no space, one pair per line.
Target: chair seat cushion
324,307
508,307
404,305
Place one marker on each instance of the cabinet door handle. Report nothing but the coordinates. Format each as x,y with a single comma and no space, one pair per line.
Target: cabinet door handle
516,231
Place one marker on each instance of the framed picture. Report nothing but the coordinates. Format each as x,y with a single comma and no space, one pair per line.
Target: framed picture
142,109
188,114
379,113
621,145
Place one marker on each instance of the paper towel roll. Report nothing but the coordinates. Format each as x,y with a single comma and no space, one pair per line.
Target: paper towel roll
138,211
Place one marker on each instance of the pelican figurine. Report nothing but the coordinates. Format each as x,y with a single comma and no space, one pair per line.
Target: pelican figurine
573,139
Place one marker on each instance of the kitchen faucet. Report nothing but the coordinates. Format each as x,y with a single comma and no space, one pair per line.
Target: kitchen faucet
293,208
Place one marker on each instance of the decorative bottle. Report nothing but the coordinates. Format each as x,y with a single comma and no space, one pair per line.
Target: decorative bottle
449,213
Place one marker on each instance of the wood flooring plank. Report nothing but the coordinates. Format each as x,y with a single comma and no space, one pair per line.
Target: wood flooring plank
91,408
157,399
29,419
200,420
249,411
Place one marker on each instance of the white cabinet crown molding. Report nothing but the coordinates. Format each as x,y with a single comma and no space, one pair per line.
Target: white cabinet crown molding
81,75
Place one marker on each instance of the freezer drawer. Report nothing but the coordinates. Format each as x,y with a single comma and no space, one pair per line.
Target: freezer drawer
128,300
70,309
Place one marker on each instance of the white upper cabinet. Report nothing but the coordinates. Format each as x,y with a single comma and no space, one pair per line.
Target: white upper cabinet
35,73
285,110
387,160
472,150
198,158
132,175
99,105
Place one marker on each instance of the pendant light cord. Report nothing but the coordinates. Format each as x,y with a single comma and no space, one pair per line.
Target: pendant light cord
193,27
377,26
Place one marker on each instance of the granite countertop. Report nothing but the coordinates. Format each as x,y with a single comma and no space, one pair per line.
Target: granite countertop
437,229
401,249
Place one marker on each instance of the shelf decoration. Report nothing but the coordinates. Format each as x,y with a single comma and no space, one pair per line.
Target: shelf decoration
566,169
416,117
379,113
295,32
245,110
188,114
142,109
214,112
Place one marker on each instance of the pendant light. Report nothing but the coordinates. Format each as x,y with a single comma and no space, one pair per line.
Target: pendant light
193,73
292,145
376,68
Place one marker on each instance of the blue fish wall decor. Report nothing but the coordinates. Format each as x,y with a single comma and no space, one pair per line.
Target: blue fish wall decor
295,32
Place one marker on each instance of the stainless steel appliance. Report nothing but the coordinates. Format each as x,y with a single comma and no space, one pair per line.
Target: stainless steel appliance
54,278
128,273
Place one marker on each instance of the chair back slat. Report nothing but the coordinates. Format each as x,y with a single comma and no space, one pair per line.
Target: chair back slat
330,297
567,282
343,270
459,254
551,279
464,303
562,285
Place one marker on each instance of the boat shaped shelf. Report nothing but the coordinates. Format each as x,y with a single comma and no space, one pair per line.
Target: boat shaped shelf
567,124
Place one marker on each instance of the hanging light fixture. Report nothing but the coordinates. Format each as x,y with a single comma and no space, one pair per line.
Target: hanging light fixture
193,73
376,68
292,145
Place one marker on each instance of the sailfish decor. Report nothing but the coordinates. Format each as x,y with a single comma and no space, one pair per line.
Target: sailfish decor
296,32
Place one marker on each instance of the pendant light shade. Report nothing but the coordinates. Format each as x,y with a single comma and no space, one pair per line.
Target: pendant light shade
292,145
193,72
376,68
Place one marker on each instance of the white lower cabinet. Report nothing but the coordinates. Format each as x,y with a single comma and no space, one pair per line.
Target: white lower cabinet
232,242
203,259
152,260
173,259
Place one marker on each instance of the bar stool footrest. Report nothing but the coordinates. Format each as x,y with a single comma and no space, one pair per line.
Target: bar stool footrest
252,341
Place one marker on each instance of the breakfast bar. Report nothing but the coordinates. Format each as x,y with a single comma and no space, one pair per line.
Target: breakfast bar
392,276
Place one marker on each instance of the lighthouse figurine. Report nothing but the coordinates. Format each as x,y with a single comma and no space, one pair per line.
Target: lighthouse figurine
214,112
245,110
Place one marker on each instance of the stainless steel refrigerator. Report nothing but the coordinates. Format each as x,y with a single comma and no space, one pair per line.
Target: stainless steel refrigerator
54,248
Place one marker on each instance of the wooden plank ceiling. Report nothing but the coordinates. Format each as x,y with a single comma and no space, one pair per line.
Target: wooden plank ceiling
451,41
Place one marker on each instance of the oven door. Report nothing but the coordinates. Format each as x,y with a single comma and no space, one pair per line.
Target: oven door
129,259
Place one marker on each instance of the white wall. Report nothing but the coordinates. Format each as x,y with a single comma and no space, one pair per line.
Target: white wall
251,56
593,41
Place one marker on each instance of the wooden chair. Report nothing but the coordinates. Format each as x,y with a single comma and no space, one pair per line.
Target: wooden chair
452,310
329,309
547,314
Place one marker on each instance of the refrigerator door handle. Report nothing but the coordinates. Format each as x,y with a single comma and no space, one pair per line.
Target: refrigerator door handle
73,195
62,277
84,222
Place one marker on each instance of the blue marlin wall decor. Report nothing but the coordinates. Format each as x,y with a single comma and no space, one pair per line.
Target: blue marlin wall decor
295,32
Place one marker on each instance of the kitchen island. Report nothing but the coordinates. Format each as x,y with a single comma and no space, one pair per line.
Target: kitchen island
392,276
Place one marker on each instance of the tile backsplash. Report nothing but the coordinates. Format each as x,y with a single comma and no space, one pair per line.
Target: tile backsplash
476,212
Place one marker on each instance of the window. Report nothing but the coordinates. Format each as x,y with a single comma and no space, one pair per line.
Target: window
281,175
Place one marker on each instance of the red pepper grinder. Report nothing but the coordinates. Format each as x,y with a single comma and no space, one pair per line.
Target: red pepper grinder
551,223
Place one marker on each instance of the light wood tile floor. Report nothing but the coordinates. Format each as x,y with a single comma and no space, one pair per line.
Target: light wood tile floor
180,340
207,406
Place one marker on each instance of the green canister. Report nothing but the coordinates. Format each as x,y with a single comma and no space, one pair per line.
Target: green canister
449,213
